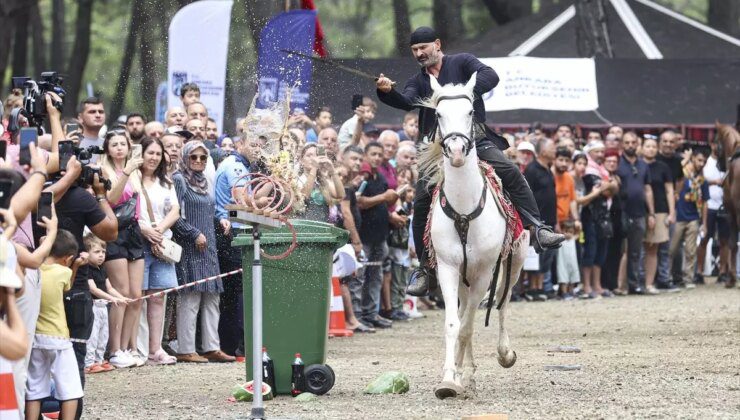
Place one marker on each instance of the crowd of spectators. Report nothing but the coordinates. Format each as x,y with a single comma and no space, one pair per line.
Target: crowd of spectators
637,213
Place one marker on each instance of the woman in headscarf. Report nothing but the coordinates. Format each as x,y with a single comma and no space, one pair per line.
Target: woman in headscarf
195,232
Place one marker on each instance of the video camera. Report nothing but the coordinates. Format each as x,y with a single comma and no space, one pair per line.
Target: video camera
34,102
84,154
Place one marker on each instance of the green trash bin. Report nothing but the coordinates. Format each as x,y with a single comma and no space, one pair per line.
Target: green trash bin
296,294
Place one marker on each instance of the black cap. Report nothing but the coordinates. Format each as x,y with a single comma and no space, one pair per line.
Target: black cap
370,128
423,35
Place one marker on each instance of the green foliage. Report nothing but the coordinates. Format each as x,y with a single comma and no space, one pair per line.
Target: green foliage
353,28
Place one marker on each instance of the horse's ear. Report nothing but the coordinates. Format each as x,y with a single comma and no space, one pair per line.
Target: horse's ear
471,83
435,84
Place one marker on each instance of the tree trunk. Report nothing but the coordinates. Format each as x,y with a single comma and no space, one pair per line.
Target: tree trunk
128,57
78,60
403,26
148,83
447,20
57,35
9,11
20,44
504,11
37,40
724,15
259,12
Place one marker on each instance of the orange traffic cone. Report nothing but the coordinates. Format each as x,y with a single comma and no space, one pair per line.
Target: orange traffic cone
8,403
337,327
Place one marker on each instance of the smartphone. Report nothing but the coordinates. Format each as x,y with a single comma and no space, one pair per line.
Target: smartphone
356,101
66,151
44,206
362,187
3,148
71,127
135,151
401,212
320,150
28,135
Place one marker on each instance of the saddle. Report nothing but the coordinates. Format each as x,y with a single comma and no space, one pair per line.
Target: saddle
492,182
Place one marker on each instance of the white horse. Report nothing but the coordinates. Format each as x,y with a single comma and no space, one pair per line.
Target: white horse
465,191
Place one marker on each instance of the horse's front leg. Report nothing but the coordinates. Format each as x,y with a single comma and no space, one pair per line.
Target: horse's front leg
449,283
465,363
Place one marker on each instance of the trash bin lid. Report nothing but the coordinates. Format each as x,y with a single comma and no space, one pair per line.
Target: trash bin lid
306,231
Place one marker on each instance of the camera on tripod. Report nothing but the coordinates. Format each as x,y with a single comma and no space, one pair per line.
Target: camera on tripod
34,92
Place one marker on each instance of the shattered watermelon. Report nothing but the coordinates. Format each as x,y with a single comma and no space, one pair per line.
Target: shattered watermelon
246,392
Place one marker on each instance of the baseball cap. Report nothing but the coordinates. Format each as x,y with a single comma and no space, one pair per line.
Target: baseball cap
525,146
179,131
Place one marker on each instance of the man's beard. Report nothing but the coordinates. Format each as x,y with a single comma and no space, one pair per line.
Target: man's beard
136,136
630,153
431,60
558,170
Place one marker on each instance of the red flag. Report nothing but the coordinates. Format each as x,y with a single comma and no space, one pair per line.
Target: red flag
318,43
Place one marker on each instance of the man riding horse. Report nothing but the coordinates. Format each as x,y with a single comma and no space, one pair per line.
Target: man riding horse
458,68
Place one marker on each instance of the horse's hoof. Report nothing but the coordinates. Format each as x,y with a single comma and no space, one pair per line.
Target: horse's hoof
447,390
507,363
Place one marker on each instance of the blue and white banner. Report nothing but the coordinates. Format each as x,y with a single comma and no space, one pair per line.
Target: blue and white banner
198,47
279,71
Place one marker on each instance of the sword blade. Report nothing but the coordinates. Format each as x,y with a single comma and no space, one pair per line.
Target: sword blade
332,63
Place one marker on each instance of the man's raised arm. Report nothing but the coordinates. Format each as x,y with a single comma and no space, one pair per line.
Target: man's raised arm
391,97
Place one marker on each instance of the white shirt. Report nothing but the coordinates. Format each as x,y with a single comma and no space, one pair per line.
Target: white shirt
163,199
713,174
346,131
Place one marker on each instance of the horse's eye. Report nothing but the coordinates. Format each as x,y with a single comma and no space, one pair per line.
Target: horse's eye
470,113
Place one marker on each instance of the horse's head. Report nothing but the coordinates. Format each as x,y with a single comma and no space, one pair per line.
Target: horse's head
454,105
727,140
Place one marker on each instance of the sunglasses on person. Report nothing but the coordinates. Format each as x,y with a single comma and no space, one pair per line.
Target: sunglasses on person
115,132
196,158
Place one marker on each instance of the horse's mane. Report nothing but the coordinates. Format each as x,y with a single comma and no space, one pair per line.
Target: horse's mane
729,137
430,154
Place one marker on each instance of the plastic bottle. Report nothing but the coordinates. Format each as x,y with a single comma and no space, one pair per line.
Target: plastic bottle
268,370
298,381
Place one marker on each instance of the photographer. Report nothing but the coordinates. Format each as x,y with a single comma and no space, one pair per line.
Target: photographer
319,183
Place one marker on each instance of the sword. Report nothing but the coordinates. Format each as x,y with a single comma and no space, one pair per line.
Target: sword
332,63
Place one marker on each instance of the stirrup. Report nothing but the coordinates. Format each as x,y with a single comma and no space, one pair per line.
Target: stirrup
536,242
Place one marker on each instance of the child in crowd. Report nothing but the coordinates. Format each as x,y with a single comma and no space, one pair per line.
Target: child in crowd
103,292
567,261
52,356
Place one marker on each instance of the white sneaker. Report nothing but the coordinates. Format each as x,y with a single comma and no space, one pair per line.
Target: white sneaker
122,359
415,315
138,359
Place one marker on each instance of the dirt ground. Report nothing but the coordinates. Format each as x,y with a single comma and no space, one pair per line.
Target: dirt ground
668,356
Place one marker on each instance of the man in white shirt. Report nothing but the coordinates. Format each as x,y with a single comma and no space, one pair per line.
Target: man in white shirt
716,221
91,114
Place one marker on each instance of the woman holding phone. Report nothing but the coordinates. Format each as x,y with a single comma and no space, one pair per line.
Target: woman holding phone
159,210
320,184
124,259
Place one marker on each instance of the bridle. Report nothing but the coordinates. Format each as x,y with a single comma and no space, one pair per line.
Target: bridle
469,142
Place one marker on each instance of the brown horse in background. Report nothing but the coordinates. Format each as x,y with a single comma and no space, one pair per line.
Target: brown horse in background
728,151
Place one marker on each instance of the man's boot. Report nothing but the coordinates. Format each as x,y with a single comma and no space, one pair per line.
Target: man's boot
545,238
422,281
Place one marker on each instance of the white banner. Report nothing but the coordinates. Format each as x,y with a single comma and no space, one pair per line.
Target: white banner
198,46
554,84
